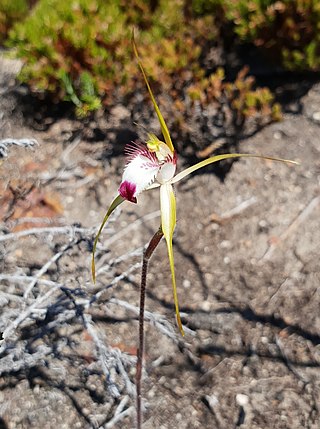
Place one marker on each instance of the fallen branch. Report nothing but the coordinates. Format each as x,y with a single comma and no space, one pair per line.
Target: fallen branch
68,230
6,143
46,266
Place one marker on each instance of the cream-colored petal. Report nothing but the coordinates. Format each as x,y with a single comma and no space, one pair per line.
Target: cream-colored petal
168,223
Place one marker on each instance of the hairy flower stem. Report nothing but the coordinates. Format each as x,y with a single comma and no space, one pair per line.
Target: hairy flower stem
155,240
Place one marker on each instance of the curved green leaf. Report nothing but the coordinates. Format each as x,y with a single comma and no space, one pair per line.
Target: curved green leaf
115,203
168,223
217,158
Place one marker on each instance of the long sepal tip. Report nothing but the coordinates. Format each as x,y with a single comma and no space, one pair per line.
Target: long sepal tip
163,125
115,203
217,158
168,223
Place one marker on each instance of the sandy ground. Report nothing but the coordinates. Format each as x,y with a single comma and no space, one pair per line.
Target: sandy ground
247,264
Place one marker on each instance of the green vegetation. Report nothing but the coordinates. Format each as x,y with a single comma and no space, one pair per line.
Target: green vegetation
11,12
287,30
243,99
81,51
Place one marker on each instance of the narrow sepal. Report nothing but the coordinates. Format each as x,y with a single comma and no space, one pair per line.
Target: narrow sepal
115,203
162,122
217,158
168,223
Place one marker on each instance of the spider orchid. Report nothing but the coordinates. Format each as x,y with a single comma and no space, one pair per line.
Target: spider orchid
153,165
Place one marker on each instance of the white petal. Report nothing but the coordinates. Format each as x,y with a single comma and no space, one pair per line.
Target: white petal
140,171
166,172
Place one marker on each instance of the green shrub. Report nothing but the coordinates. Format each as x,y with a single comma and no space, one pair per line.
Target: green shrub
241,96
81,51
12,11
222,112
288,30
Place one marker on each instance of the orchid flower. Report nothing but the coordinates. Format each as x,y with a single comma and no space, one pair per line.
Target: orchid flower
152,165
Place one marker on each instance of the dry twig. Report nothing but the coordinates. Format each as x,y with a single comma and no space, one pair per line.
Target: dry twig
5,144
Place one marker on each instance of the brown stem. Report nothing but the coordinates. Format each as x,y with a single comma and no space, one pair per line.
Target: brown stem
155,240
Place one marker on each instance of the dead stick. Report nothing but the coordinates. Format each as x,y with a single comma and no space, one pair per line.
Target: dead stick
155,240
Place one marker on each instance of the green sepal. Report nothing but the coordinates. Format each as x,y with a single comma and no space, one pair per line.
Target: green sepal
168,223
115,203
163,125
217,158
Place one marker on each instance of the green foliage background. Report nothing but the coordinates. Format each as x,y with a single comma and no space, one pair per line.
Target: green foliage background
80,50
286,30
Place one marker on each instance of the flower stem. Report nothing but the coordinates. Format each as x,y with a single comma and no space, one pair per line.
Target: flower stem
155,240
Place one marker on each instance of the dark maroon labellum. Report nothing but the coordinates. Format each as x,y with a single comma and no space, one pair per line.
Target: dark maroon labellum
127,191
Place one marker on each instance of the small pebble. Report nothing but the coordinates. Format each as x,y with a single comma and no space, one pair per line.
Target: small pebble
212,400
316,116
242,399
225,244
186,283
277,135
